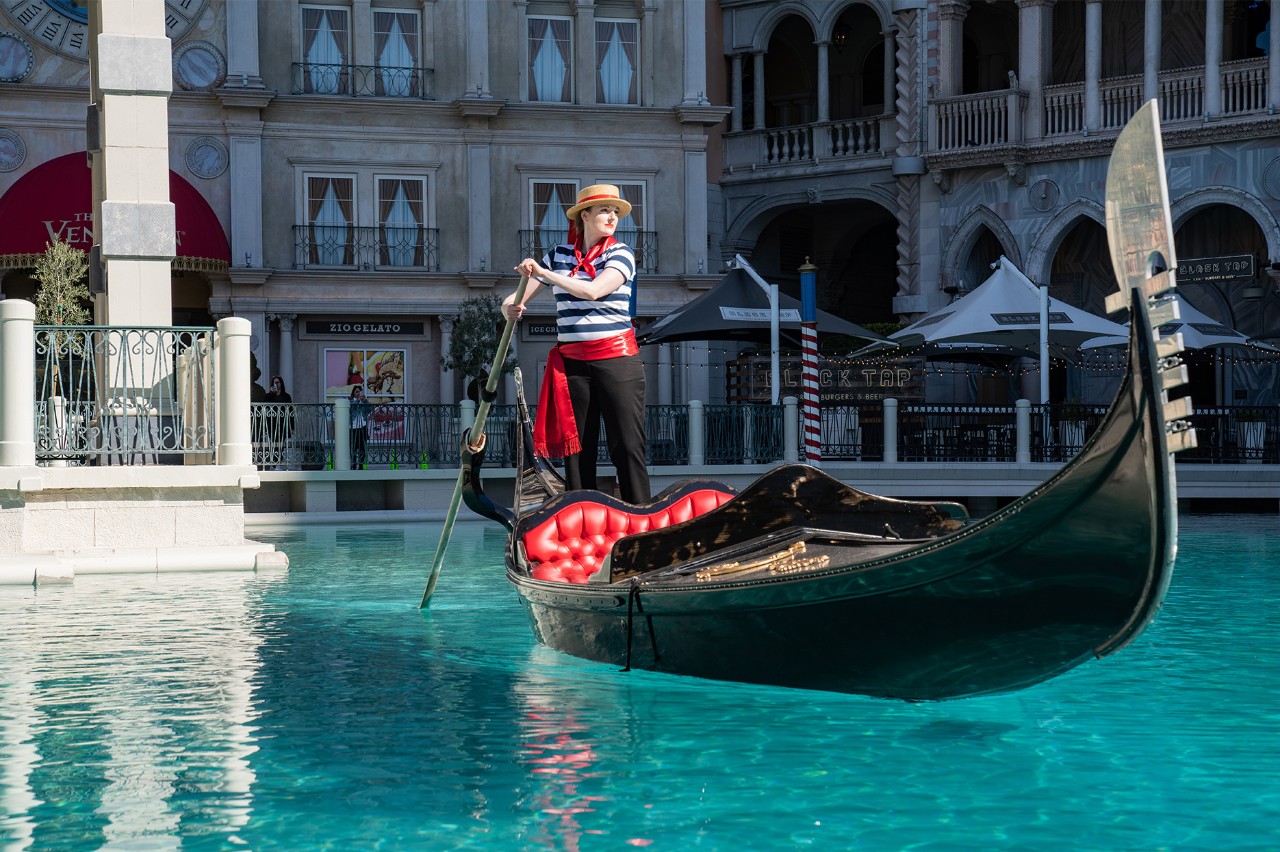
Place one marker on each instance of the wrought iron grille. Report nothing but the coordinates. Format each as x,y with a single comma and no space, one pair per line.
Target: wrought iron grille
382,247
363,81
123,395
537,242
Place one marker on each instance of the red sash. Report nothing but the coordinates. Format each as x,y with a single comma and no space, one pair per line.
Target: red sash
555,431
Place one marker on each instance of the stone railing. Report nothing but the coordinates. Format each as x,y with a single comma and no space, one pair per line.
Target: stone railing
806,144
987,119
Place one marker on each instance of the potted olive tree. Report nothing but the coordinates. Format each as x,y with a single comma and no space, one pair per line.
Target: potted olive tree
61,301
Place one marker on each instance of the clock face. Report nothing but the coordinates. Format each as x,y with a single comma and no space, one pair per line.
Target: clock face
63,25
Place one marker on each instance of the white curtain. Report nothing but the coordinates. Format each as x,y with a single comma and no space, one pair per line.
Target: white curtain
325,59
401,230
396,61
331,229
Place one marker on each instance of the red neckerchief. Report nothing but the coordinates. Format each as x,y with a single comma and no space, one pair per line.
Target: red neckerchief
585,262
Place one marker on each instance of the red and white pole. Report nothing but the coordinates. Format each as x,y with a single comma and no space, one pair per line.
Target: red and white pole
810,414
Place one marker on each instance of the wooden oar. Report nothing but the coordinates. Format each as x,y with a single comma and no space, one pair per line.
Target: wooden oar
474,441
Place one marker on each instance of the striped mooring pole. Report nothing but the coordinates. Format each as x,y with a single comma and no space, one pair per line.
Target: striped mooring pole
811,433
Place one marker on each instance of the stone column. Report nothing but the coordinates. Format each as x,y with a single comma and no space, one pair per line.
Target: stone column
285,369
477,17
232,396
1151,51
584,54
361,47
824,81
446,376
1273,59
131,81
1212,58
478,187
695,52
758,71
696,359
890,41
951,15
1092,65
1035,59
17,404
242,44
735,120
695,202
664,374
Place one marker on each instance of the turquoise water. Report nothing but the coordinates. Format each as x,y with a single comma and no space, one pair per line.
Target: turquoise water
318,709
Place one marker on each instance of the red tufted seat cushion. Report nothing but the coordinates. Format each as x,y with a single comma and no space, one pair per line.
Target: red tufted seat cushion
570,545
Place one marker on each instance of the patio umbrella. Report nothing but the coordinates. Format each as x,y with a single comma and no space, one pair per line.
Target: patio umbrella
1006,310
1198,330
738,309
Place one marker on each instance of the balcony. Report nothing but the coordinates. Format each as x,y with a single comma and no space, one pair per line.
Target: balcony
537,242
363,81
384,248
809,144
970,123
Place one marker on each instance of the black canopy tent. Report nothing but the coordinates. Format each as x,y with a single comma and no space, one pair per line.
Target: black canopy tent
738,309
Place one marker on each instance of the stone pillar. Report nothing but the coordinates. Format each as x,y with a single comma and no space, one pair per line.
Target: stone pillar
1151,51
478,187
285,369
1213,58
242,44
758,97
890,42
951,15
1092,65
477,81
17,404
232,395
361,48
584,54
695,202
1035,59
1273,59
446,376
246,192
697,384
131,81
664,374
695,52
735,120
824,81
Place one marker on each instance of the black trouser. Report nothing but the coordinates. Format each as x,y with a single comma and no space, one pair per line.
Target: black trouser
358,457
612,389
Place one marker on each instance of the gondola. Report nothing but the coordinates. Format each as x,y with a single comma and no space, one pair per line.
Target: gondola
800,580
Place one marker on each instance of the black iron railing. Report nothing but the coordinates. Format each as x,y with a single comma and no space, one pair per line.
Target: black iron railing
362,81
384,247
537,242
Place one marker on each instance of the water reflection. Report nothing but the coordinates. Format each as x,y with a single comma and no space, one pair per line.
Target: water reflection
135,691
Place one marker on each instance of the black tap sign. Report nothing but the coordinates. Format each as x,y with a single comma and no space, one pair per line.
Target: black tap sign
1225,268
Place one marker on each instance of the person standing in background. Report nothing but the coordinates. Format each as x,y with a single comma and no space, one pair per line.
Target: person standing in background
359,428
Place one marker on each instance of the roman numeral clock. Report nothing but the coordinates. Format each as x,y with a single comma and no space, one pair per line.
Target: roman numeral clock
63,25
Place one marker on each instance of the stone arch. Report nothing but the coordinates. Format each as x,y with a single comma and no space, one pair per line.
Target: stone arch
1045,245
746,223
1207,196
776,15
965,233
825,25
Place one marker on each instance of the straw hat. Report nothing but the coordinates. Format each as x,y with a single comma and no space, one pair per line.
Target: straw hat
599,193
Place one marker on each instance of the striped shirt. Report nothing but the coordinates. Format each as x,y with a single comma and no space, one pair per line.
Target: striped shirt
593,319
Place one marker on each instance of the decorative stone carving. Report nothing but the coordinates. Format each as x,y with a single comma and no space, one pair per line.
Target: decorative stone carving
942,179
1017,171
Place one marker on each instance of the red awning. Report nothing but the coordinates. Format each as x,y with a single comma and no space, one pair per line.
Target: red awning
55,200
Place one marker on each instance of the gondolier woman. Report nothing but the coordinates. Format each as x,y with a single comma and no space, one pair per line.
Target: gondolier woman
594,370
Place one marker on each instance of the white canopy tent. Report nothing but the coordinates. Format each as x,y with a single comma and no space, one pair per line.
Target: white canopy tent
1008,310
